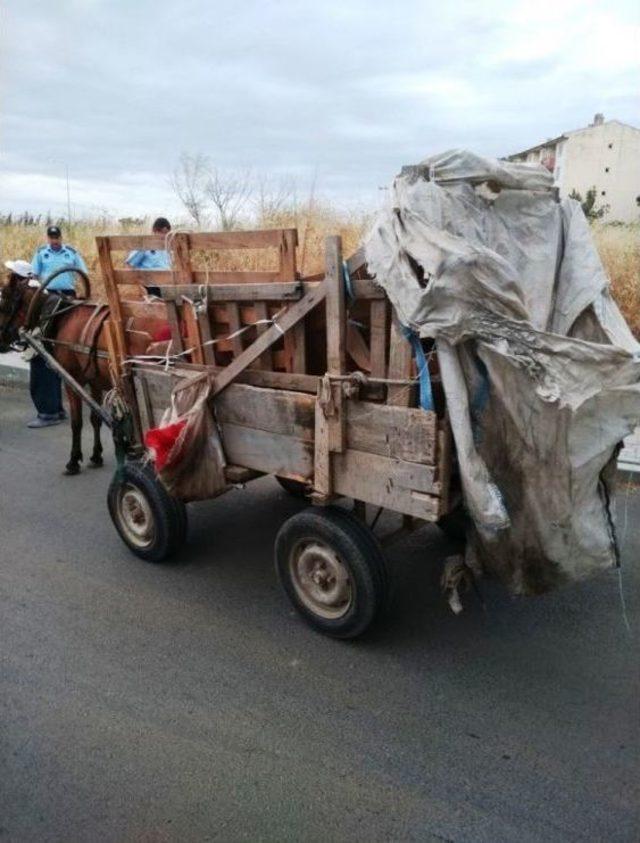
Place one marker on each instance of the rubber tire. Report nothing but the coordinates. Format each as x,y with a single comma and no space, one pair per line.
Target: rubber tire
454,524
357,548
169,513
294,487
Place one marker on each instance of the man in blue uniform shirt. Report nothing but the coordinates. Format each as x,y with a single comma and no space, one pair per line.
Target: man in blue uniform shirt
152,258
54,255
45,384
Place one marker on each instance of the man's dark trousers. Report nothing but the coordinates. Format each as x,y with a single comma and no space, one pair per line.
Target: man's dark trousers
45,389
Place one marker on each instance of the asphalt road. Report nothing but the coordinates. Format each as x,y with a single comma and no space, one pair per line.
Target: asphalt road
187,702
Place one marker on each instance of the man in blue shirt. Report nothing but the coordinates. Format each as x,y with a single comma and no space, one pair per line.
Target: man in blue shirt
152,258
54,255
45,384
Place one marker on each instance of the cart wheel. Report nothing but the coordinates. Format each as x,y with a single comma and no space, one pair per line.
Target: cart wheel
454,524
333,570
151,523
294,487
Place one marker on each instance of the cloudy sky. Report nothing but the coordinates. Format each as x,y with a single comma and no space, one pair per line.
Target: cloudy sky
340,92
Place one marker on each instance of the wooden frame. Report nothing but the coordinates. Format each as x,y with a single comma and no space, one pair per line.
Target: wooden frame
275,413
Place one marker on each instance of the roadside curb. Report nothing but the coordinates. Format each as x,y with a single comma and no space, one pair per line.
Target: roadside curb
15,376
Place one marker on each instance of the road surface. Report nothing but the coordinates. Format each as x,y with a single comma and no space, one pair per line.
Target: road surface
187,702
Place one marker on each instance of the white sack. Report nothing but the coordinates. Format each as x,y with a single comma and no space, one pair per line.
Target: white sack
540,371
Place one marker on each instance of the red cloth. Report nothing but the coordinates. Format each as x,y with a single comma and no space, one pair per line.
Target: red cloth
162,334
160,441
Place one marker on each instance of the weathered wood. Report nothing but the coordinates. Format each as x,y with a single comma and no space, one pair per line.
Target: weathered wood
275,411
356,261
239,474
261,313
322,479
378,342
400,366
174,327
287,254
164,277
264,239
115,310
296,312
233,321
181,259
249,292
409,488
205,334
128,242
335,308
193,333
405,433
270,453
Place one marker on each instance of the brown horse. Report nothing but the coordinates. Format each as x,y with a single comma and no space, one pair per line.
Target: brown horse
79,346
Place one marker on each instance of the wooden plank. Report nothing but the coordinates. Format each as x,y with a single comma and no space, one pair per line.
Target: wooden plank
299,347
113,298
193,333
322,478
174,326
264,239
275,411
365,288
205,334
336,315
181,259
400,366
270,453
403,433
233,321
165,277
261,312
356,261
272,380
287,254
378,342
275,291
335,308
239,474
409,488
293,315
128,242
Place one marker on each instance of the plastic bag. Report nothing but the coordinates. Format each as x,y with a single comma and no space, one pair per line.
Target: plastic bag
186,448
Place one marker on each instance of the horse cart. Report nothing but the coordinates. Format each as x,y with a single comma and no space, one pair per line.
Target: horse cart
310,379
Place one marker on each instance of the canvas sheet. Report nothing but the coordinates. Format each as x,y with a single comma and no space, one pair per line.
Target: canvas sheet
541,373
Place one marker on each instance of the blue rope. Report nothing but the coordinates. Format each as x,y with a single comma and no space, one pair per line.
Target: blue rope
347,282
426,393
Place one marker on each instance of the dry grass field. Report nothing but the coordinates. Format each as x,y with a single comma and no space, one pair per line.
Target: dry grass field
619,247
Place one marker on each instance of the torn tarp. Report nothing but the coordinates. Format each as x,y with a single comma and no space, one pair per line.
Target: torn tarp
540,371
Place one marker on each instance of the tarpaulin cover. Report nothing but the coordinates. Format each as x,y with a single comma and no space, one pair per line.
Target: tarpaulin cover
540,371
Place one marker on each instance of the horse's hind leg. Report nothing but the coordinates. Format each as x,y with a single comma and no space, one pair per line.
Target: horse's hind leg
75,412
96,423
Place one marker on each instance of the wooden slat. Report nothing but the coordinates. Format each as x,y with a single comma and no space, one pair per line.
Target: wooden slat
293,315
261,312
409,488
174,326
115,310
181,259
275,291
163,277
128,242
399,366
378,343
287,253
204,325
267,238
193,333
336,315
271,453
271,380
322,478
233,321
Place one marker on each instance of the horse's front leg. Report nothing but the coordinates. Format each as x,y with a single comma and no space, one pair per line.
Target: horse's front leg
75,412
96,423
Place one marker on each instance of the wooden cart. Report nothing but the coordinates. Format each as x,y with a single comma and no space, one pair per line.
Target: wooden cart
321,393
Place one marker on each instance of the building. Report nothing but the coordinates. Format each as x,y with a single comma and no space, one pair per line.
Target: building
604,155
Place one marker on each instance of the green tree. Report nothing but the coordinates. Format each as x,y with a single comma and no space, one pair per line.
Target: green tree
589,204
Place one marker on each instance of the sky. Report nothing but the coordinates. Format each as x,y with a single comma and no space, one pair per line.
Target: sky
334,95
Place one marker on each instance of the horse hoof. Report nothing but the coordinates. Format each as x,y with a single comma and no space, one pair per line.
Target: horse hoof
70,470
96,462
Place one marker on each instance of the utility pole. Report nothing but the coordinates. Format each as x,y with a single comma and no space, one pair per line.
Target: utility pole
68,196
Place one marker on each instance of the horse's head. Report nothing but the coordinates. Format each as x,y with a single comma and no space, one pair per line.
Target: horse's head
15,298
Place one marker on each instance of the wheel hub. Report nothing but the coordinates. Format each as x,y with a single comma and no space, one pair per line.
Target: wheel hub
321,581
135,516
